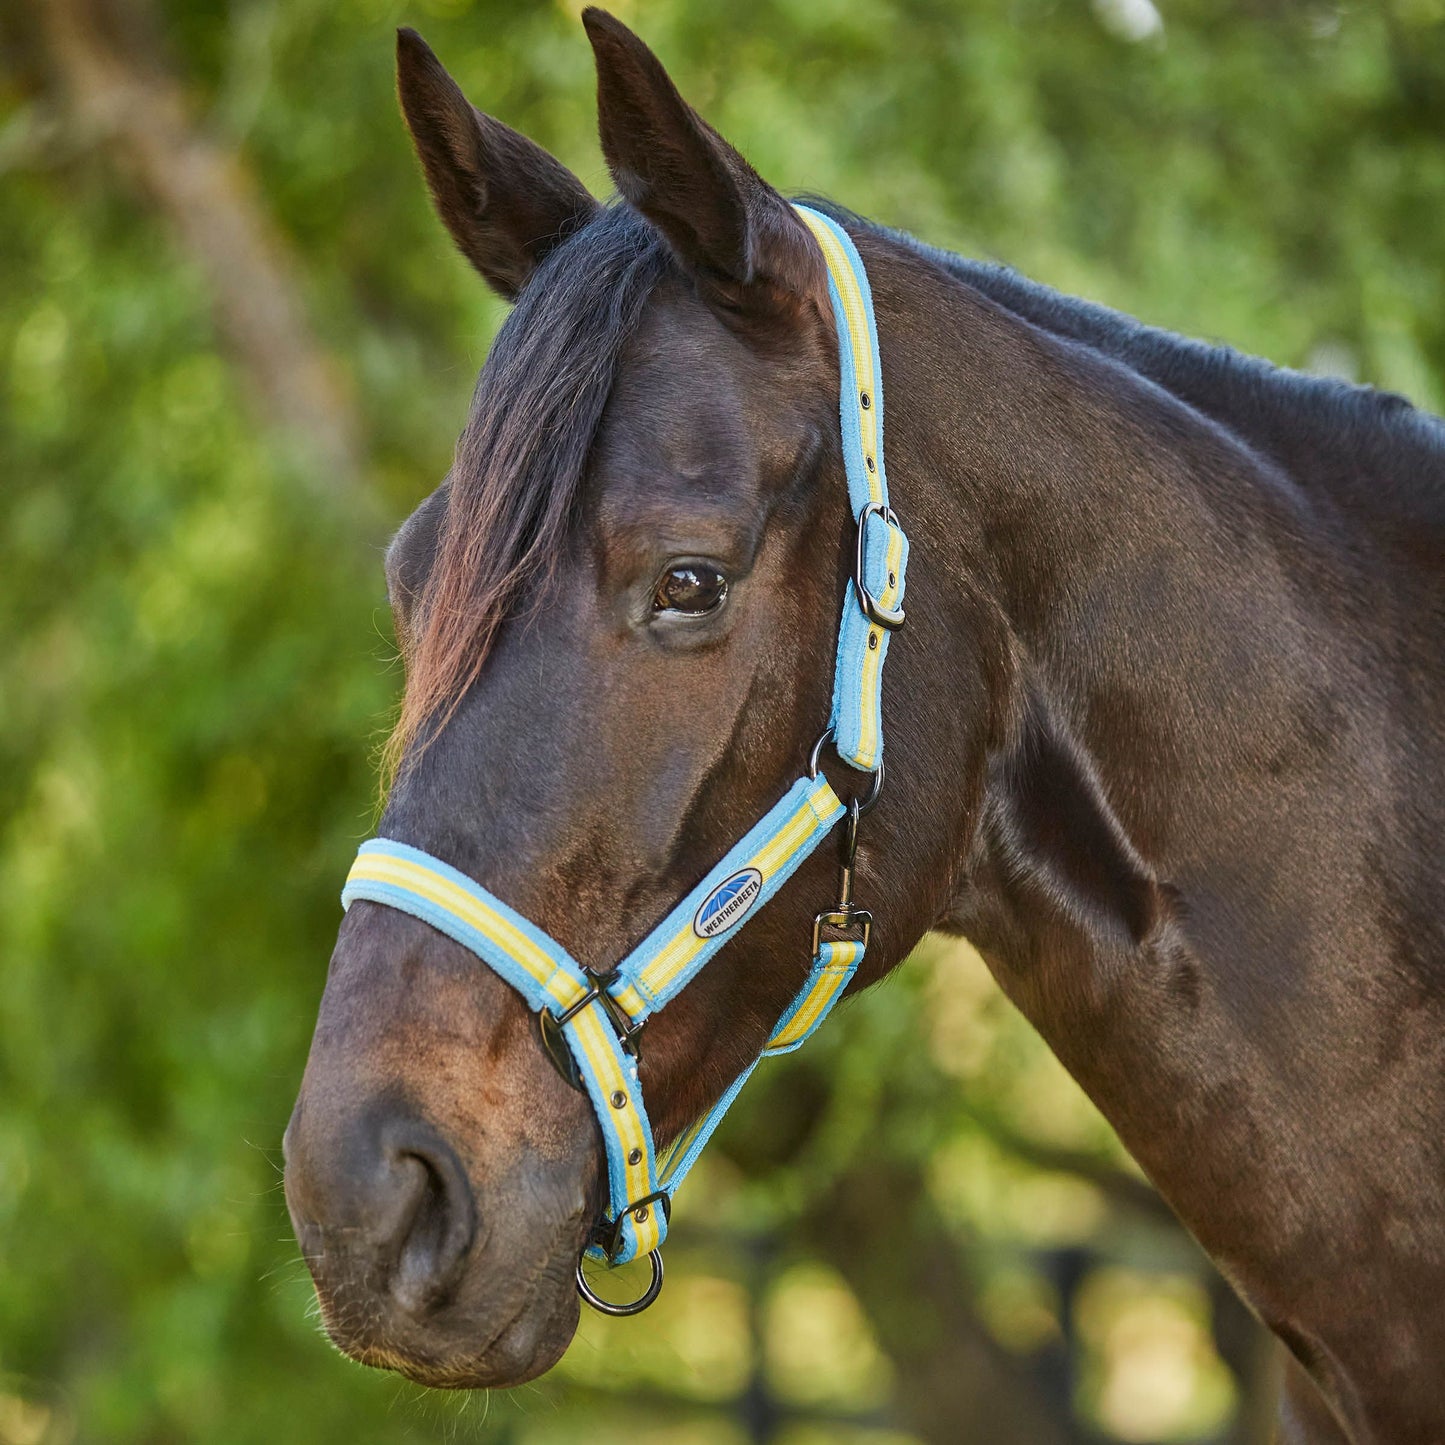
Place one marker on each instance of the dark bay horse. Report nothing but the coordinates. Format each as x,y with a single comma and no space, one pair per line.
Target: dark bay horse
1166,734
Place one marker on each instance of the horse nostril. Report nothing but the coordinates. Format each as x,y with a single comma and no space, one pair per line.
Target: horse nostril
378,1195
436,1219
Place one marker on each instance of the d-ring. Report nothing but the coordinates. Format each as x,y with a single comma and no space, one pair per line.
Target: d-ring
630,1307
877,774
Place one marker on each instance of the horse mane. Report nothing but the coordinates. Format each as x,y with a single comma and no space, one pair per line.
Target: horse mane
516,477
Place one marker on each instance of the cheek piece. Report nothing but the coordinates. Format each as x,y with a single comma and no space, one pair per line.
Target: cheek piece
589,1021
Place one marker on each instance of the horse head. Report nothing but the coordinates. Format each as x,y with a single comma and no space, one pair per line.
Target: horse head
618,615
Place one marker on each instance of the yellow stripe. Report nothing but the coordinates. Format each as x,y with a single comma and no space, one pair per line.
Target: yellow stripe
602,1058
803,1020
686,945
840,267
379,868
632,1003
845,278
894,562
813,1006
872,679
788,839
826,988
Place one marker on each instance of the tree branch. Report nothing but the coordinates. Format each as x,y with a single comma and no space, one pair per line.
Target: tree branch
119,92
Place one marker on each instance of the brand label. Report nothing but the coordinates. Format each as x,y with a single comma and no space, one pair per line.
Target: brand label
727,903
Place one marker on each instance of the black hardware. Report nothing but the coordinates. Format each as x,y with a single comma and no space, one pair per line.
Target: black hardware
630,1307
554,1038
607,1233
554,1043
888,618
877,774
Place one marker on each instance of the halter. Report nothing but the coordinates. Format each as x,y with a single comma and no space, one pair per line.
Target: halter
589,1021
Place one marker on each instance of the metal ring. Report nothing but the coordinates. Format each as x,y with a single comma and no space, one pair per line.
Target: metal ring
866,806
827,736
630,1307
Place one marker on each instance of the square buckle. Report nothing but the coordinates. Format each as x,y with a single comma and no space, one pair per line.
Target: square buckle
844,919
888,618
608,1232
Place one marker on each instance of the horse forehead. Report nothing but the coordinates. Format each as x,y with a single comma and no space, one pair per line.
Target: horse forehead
681,406
692,399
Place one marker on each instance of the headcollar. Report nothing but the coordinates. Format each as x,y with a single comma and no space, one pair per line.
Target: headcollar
590,1021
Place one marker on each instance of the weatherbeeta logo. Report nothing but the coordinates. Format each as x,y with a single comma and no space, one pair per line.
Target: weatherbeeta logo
727,903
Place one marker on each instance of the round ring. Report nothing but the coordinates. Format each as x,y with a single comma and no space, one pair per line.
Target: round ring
826,737
866,805
630,1307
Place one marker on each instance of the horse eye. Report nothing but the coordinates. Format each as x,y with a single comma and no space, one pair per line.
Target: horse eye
692,588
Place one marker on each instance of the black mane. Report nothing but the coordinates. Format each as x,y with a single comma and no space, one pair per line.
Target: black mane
514,485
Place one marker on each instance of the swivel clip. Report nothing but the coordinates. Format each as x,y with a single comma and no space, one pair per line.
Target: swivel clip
845,915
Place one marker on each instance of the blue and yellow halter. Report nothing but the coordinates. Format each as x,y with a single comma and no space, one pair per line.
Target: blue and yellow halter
590,1021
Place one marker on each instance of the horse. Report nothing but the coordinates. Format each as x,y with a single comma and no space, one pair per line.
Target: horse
1164,743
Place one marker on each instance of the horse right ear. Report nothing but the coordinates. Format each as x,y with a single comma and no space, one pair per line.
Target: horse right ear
737,237
504,199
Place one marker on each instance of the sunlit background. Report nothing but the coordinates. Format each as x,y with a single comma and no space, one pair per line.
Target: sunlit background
235,348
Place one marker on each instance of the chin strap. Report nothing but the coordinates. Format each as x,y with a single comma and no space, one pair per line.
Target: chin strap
589,1021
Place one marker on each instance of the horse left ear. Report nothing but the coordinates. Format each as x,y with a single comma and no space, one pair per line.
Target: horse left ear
741,241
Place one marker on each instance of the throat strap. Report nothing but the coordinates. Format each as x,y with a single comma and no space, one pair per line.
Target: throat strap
598,1014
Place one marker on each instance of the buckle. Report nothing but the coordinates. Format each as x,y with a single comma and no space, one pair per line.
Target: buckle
554,1045
888,618
843,918
622,1026
607,1233
554,1039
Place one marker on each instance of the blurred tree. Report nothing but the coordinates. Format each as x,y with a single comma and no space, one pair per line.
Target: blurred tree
108,54
234,346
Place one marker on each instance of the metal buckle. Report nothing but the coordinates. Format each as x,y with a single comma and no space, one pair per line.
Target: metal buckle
608,1232
622,1026
554,1039
554,1045
888,618
842,918
628,1307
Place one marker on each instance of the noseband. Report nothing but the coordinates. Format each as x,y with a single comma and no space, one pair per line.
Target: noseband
589,1021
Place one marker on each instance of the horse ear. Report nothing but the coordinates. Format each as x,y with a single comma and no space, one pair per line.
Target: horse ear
505,200
736,235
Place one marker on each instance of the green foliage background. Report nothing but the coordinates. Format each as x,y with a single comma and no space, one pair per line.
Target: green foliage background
198,662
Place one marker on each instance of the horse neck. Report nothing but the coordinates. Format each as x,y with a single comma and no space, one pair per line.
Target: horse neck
1166,847
1165,593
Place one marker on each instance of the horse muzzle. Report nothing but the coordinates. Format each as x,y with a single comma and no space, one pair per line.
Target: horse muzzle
439,1213
408,1274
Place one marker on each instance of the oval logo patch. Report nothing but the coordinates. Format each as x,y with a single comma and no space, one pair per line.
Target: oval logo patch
727,903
